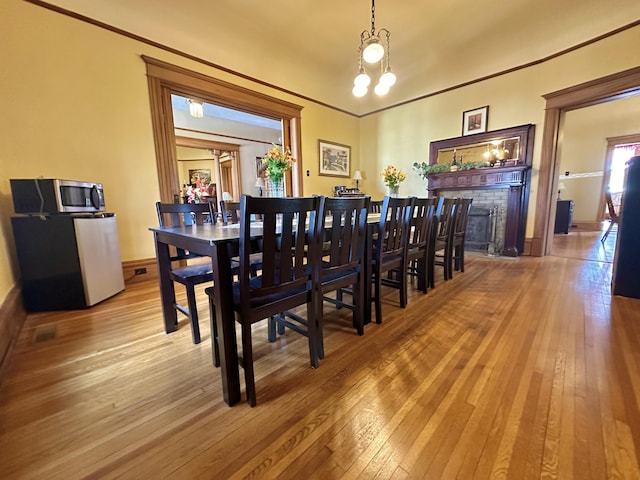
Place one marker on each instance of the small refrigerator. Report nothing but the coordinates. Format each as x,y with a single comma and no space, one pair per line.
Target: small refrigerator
67,261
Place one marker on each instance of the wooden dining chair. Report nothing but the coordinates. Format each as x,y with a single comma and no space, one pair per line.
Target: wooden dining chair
230,212
343,256
614,217
459,235
375,206
290,247
421,239
173,215
389,250
442,241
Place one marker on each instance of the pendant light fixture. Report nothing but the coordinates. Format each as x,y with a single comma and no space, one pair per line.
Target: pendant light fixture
196,108
374,48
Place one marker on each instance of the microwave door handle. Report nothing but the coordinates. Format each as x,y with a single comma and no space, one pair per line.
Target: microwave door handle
95,197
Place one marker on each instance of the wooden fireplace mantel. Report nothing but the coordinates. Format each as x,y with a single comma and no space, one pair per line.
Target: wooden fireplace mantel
479,177
514,178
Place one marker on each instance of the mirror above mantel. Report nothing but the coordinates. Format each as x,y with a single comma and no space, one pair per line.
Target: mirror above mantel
506,147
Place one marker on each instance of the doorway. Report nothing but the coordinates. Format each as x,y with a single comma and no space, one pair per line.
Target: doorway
612,87
165,79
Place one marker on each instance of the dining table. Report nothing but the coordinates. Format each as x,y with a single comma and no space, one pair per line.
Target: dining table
216,242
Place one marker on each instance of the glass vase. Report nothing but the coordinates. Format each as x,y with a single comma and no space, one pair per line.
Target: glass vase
275,187
393,191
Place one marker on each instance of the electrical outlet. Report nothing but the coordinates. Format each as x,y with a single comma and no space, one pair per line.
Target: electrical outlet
140,271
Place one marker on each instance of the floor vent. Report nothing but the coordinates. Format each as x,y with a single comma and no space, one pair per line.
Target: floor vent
44,333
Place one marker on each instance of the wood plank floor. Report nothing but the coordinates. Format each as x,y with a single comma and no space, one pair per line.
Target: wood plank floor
518,368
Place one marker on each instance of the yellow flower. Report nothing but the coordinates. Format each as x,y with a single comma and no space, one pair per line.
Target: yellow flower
393,176
276,162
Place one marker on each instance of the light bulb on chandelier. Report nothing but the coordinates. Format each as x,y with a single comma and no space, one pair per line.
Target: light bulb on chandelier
372,50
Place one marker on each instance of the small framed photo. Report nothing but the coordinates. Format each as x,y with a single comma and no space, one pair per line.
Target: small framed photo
335,159
475,121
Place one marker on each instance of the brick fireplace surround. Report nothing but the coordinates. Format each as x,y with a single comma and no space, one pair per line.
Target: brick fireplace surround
478,183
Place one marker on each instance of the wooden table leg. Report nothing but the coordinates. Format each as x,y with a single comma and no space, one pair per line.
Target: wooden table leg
226,324
167,290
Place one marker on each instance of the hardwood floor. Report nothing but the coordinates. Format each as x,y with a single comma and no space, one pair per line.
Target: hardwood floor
519,368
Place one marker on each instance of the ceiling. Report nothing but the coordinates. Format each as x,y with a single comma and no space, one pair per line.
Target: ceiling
310,47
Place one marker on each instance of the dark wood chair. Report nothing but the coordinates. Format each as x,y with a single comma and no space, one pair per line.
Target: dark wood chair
389,250
459,235
421,239
375,206
175,214
286,278
343,254
442,240
230,212
614,217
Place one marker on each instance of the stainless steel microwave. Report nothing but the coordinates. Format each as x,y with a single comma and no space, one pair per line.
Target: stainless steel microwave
53,195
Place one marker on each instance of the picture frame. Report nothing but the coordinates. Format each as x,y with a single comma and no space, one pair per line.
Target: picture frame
202,174
334,159
475,120
260,170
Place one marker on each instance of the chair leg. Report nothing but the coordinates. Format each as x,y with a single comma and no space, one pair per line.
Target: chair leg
377,281
423,277
606,234
403,285
214,333
193,313
358,305
247,363
312,333
271,329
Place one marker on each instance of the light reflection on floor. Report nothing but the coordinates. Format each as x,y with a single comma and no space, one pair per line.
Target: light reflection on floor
585,245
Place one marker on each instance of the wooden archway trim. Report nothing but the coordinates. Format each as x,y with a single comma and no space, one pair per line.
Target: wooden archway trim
604,89
165,79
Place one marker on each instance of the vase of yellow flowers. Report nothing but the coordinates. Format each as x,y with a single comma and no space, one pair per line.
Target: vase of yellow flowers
392,178
276,163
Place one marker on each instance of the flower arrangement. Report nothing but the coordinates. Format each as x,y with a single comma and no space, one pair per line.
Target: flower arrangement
277,162
393,176
194,195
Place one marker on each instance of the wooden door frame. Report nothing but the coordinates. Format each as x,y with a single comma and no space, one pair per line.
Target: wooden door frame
214,145
611,145
611,87
165,79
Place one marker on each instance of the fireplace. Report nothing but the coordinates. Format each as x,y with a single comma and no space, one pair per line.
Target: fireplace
501,188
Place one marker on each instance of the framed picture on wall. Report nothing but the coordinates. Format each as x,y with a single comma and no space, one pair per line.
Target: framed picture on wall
475,121
335,159
200,176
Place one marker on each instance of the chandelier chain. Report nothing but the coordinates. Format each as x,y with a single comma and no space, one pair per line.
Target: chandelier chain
373,18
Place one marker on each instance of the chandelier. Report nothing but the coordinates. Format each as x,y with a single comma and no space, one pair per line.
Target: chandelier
372,50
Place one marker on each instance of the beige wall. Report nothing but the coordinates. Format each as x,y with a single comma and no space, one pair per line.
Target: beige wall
76,105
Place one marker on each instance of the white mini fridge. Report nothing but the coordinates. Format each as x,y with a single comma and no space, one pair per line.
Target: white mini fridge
67,261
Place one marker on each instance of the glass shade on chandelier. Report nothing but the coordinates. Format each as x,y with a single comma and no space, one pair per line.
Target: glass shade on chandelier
374,48
196,108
